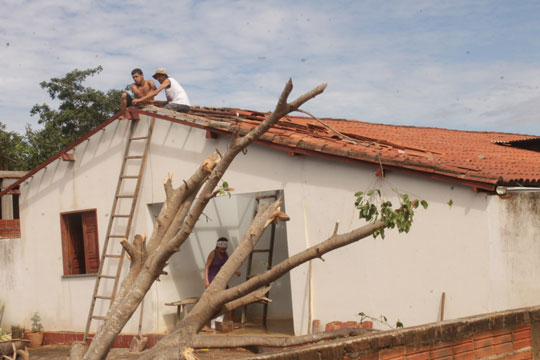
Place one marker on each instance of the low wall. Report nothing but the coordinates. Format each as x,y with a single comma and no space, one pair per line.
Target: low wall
511,334
10,229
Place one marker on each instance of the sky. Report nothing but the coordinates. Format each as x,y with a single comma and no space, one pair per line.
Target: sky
468,65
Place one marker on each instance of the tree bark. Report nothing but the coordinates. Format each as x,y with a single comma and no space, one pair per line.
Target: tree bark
204,341
180,213
210,302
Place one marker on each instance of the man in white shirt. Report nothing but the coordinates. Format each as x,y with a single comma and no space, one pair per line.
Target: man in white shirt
177,98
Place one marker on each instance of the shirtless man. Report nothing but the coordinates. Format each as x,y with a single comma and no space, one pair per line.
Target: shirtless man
140,88
177,98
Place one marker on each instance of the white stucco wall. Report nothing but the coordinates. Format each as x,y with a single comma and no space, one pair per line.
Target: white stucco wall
477,251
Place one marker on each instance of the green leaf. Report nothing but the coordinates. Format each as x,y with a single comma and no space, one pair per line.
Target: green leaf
225,184
450,202
399,324
358,194
424,204
361,313
370,192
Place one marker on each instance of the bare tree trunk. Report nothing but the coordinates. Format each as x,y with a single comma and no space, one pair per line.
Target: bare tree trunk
175,223
213,301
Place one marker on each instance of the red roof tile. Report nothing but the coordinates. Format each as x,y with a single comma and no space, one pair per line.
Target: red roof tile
484,157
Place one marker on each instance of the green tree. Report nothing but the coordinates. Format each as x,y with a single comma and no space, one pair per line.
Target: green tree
13,150
81,109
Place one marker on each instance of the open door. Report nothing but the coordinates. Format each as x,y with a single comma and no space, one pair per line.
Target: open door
91,242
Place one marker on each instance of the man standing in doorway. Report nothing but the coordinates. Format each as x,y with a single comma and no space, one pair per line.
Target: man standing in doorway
177,98
140,88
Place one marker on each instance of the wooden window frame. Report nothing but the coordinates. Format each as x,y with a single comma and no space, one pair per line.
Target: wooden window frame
80,242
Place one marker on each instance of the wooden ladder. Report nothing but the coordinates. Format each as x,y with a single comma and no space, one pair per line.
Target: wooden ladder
118,220
269,251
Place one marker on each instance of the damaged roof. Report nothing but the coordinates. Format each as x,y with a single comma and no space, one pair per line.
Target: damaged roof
478,159
481,160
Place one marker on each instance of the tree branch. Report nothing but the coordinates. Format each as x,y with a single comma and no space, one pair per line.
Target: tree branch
202,341
332,243
257,295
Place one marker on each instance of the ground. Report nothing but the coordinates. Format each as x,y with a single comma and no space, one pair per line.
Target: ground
50,352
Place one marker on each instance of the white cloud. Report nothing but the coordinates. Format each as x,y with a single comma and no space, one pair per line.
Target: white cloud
429,63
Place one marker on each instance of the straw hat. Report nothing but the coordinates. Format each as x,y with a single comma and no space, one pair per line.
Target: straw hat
160,71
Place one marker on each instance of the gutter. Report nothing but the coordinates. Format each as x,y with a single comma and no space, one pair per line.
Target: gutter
504,190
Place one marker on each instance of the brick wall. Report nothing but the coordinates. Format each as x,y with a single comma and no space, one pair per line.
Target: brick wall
10,228
509,335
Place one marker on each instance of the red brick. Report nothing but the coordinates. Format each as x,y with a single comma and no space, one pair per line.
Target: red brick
481,343
502,348
522,343
466,355
493,333
410,350
366,325
502,339
441,353
393,353
424,355
463,347
522,334
525,355
334,325
368,356
441,345
522,327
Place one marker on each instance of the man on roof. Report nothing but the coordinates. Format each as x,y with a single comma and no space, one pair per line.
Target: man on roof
177,98
140,88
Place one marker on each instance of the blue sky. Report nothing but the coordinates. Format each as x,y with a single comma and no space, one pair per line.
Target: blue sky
470,65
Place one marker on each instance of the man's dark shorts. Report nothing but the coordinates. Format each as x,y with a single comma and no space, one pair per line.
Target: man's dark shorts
177,107
129,99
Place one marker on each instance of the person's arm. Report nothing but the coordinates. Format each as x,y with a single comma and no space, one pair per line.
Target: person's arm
206,268
136,91
153,93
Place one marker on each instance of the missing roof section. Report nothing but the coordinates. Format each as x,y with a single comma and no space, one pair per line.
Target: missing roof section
532,143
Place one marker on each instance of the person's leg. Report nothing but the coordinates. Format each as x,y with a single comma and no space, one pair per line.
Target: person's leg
177,107
125,102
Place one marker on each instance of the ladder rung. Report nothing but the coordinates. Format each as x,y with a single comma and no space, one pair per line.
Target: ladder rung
112,256
266,197
108,276
261,250
129,177
125,196
121,215
103,297
139,138
134,157
99,317
117,236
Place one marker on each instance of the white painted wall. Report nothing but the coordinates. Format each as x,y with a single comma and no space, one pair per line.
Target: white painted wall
476,251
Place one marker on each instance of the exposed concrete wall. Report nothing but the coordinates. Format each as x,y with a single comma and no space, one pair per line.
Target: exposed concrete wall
514,267
457,249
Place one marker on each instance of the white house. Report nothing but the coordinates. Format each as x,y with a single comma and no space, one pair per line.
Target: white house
480,248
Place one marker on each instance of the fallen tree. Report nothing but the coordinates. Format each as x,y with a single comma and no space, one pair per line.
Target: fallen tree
181,211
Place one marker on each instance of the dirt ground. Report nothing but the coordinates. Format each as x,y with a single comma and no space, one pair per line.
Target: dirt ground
50,352
276,328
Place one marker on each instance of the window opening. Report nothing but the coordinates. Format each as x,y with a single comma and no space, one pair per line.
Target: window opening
80,244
